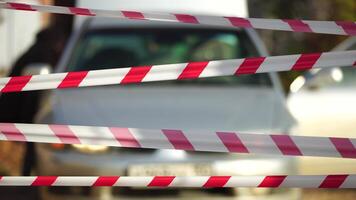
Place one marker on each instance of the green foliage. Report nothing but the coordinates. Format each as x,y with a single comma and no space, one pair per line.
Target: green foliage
3,171
282,43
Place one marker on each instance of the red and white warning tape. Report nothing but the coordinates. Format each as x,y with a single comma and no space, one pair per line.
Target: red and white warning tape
191,70
178,139
300,181
328,27
182,140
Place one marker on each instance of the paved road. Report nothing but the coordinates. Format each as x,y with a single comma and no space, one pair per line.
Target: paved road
325,194
26,193
19,193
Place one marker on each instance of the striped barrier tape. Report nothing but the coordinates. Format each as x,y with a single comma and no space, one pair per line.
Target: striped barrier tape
182,140
177,139
328,27
283,181
181,71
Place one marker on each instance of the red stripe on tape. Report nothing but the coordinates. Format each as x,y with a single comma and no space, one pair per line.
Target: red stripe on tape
239,22
136,74
16,83
106,181
11,132
80,11
133,15
272,181
187,18
73,79
124,137
250,65
345,147
216,181
286,145
298,25
44,180
232,142
178,139
20,6
64,134
193,70
349,27
161,181
333,181
306,61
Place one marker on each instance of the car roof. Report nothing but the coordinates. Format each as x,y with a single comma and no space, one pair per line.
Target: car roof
109,23
236,8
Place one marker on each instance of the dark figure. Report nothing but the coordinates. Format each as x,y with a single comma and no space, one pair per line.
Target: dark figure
22,107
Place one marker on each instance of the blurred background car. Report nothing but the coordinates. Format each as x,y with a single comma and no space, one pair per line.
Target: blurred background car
322,101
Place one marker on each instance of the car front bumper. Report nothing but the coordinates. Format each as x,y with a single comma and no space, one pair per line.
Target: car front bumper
73,163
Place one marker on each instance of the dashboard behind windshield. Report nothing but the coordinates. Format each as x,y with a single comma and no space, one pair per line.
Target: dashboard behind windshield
118,48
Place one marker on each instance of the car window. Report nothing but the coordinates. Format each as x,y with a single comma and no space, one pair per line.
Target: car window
112,48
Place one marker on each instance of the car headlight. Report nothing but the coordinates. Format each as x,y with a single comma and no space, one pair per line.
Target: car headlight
260,191
90,148
58,147
80,147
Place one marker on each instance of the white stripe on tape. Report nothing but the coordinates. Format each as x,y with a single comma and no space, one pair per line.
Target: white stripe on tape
191,70
282,181
190,140
328,27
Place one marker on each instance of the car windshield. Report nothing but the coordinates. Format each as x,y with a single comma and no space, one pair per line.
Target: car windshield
118,48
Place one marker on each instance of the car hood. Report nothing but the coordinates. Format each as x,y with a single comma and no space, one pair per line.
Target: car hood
175,107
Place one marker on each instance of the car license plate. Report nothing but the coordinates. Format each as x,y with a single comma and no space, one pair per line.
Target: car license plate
170,170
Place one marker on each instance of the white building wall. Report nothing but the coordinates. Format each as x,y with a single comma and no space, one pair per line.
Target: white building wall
17,32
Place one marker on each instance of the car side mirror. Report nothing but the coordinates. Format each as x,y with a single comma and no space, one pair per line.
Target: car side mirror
36,69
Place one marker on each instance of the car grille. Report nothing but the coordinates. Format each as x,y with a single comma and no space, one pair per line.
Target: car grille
170,192
131,150
141,192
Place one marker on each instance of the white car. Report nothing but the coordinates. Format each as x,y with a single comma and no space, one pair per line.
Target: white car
323,103
249,103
